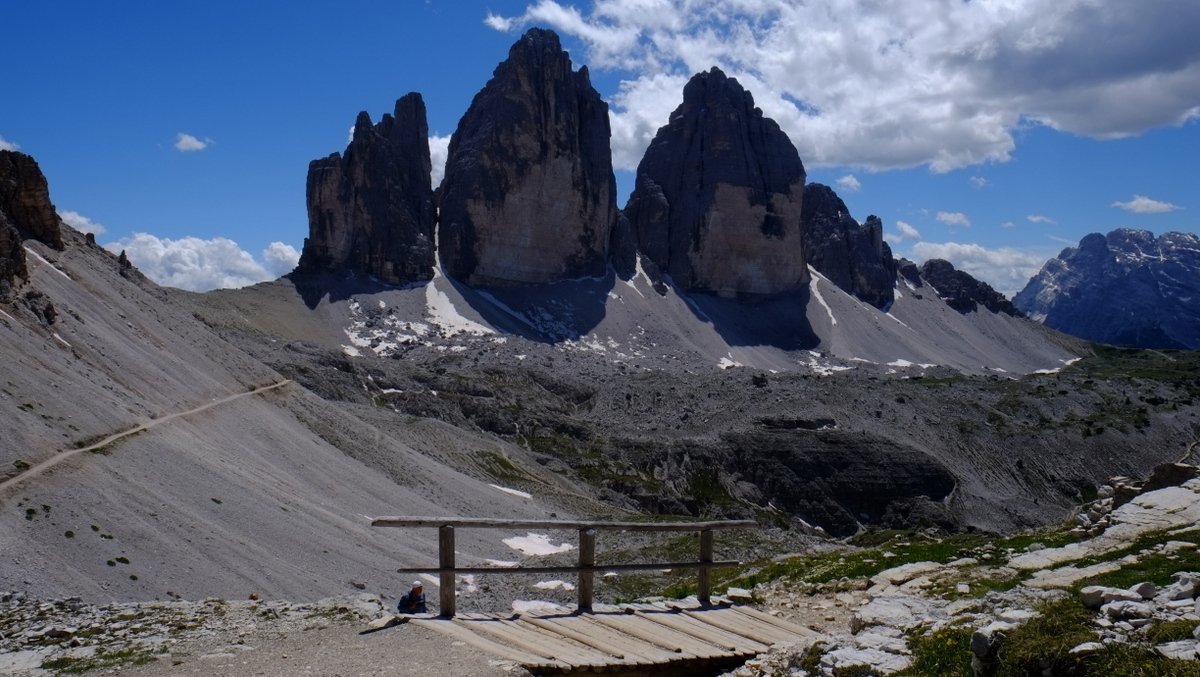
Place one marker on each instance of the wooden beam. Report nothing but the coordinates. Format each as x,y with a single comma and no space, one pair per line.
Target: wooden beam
488,523
704,585
446,571
566,569
587,576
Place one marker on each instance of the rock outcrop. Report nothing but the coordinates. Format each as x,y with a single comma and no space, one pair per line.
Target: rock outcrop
1125,288
963,292
718,198
25,212
25,199
852,256
529,194
371,210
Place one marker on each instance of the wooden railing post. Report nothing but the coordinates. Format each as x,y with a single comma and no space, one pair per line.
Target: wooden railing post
446,565
704,585
587,558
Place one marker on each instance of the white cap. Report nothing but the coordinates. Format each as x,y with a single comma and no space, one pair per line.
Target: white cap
418,584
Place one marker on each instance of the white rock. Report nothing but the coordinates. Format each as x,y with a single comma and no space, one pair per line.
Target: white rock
963,589
1184,650
1144,590
904,573
875,640
1017,616
1086,649
882,661
1124,609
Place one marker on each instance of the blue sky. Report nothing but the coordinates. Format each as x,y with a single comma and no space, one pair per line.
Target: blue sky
992,132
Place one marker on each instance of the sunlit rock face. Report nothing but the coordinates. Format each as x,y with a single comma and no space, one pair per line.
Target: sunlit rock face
718,199
25,213
529,194
1124,288
370,211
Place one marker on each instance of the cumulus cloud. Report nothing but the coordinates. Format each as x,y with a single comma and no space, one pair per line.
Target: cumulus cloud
200,265
1007,269
885,85
1140,204
1037,218
186,143
849,184
439,149
280,259
82,223
978,181
905,232
8,145
954,219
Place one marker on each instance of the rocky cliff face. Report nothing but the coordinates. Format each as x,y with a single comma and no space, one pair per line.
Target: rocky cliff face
719,194
371,211
1127,287
25,212
529,194
852,256
962,292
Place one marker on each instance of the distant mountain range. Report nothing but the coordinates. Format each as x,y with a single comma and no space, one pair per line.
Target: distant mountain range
1124,288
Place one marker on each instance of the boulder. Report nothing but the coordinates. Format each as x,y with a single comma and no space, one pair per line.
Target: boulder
1184,585
963,292
529,195
1096,596
371,210
985,648
718,199
850,255
1125,610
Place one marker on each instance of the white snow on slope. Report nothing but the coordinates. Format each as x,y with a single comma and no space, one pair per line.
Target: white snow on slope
525,606
815,287
441,312
43,260
536,544
552,585
514,492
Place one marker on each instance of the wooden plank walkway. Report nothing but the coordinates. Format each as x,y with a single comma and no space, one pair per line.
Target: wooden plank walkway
661,639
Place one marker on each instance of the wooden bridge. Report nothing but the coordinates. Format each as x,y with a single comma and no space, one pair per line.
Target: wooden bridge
662,639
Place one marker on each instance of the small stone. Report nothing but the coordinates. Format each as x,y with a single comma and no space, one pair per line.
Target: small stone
1184,650
963,589
1086,649
1144,590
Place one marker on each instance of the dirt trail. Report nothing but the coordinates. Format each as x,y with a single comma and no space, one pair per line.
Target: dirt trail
68,453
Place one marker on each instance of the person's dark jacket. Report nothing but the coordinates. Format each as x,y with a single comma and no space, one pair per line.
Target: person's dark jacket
412,604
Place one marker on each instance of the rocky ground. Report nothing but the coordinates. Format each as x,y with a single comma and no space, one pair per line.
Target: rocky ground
968,603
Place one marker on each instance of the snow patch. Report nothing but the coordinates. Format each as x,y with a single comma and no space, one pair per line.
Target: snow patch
43,260
553,585
441,312
900,363
502,563
536,544
815,288
514,492
61,340
524,606
727,362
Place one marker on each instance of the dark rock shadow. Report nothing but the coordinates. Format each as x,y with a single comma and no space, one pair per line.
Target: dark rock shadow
312,286
544,313
777,321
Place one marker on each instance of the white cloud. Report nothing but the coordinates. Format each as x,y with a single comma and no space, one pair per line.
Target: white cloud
1141,204
350,135
1006,269
849,184
1008,224
82,223
186,143
1036,218
498,22
954,219
883,85
8,145
906,232
200,265
978,181
280,259
439,147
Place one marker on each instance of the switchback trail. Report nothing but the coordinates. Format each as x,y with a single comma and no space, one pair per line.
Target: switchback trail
68,453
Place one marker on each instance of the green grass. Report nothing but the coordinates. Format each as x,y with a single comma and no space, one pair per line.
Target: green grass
76,666
940,654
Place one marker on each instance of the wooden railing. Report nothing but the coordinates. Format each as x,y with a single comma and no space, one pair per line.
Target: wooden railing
587,567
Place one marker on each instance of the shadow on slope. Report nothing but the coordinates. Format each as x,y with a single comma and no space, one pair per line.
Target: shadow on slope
780,321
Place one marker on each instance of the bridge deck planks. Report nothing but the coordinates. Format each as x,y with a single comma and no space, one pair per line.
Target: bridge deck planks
635,637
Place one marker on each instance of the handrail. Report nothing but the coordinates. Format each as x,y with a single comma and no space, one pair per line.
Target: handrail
587,567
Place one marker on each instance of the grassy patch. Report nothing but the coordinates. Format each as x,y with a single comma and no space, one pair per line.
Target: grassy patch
1041,645
1170,631
940,654
75,666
